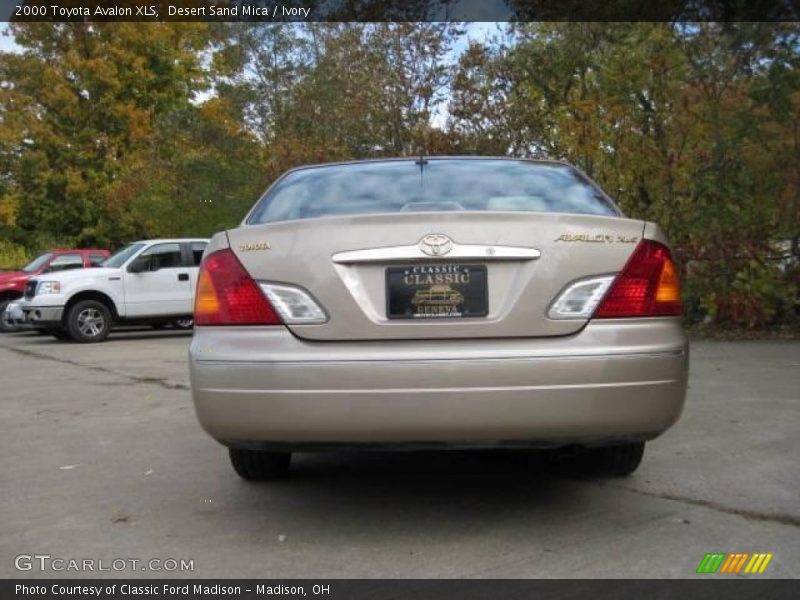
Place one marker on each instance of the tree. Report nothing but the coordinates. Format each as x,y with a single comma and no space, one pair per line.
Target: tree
692,126
366,90
80,101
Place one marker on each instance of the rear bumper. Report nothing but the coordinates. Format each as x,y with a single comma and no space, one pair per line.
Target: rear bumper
614,381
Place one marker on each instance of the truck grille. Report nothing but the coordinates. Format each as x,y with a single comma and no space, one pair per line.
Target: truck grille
30,289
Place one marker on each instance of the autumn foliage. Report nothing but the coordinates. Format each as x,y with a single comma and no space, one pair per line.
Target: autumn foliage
110,132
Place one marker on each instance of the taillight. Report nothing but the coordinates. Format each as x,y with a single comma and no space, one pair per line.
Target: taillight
227,295
648,286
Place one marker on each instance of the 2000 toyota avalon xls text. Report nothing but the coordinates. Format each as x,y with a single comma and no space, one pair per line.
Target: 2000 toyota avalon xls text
437,303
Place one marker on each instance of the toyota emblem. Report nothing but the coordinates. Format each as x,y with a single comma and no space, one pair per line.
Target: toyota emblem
436,244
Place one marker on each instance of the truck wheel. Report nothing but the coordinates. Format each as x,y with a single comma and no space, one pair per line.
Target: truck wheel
615,461
255,465
6,324
89,321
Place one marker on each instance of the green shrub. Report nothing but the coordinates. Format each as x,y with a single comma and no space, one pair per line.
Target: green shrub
12,256
751,296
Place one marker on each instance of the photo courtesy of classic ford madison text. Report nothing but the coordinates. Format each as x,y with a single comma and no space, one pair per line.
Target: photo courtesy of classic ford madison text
391,300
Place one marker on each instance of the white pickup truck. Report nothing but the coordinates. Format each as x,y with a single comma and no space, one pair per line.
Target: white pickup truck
147,282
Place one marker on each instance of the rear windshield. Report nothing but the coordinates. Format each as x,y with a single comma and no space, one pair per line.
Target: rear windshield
437,185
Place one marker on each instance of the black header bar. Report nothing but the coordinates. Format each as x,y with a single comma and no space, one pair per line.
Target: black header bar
399,10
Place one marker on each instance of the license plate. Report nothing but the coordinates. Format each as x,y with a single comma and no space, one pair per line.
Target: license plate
436,292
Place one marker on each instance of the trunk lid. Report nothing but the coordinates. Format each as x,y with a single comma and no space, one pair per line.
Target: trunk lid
529,258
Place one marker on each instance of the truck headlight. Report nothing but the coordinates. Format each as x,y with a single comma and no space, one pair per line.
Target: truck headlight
49,287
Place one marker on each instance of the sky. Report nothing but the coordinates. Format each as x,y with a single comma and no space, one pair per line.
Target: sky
6,42
476,31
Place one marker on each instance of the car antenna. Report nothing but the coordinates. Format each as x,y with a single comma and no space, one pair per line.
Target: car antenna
421,161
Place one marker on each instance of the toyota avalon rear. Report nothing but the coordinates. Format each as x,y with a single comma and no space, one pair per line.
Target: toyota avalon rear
437,303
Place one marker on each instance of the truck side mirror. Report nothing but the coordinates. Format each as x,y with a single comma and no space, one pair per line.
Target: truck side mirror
138,265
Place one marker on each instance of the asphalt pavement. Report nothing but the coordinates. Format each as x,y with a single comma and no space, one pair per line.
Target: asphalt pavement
103,459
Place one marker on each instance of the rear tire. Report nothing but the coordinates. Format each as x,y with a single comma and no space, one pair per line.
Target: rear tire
6,325
88,321
254,465
614,461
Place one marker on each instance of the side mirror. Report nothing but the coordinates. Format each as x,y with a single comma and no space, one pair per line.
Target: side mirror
138,265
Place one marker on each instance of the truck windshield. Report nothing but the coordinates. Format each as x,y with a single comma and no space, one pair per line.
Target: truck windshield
37,263
118,259
438,184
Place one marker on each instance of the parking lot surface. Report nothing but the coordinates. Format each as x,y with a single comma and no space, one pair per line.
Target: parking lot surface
102,458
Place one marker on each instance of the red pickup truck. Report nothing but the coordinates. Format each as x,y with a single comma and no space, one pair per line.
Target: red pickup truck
12,283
